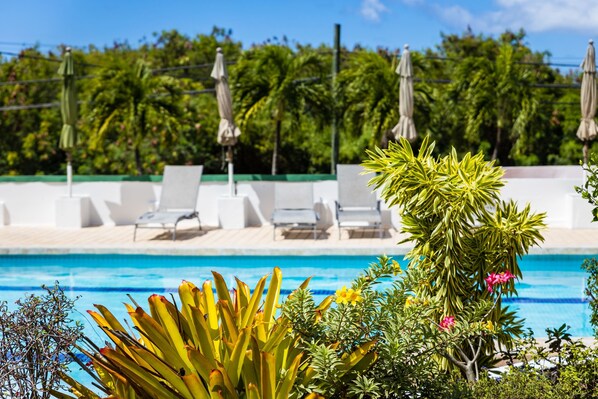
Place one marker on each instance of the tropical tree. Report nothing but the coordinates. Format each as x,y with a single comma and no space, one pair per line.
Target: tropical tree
278,82
369,89
29,139
497,94
465,240
128,99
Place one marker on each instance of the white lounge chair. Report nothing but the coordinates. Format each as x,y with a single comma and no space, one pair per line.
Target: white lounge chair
357,206
178,199
294,207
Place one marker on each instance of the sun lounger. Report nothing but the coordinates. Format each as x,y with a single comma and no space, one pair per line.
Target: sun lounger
178,199
294,207
357,206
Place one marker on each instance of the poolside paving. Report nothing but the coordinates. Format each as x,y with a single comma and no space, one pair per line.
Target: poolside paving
247,241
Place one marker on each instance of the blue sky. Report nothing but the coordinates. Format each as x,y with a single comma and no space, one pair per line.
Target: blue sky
562,27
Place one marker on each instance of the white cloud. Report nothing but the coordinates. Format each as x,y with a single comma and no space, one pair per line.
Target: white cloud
532,15
372,9
456,15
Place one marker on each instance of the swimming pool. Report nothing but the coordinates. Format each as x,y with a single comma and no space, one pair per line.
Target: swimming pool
550,293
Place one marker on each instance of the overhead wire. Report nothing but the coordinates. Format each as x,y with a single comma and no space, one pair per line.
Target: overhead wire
545,63
210,90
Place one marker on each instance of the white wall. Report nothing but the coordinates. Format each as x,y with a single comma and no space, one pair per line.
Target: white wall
120,203
550,189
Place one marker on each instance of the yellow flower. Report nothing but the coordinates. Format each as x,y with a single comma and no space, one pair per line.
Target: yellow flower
341,295
489,325
354,296
411,300
396,267
348,296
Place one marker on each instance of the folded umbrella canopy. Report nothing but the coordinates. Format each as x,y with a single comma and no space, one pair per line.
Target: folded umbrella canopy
587,129
68,107
405,128
228,132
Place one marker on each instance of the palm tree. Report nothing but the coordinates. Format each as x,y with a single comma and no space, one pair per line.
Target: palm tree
131,96
369,90
276,81
369,97
496,93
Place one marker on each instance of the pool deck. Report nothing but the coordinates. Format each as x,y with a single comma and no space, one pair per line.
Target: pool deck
247,241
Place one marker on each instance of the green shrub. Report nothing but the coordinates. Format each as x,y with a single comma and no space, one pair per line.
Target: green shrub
564,368
589,189
400,327
590,265
517,384
36,337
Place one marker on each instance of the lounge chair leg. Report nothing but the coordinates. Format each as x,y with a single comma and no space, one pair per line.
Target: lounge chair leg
315,236
198,221
134,233
274,233
339,231
174,233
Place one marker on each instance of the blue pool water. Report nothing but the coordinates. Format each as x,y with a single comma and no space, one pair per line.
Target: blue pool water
550,293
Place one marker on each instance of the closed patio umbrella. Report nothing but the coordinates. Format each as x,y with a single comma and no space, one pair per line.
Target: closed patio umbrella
68,107
405,127
587,129
228,132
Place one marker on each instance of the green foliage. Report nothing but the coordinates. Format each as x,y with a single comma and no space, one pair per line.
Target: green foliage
517,384
468,83
273,82
589,189
461,234
566,370
369,92
590,265
380,311
127,102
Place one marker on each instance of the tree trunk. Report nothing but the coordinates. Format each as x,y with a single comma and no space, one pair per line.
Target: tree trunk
498,140
470,372
138,161
276,147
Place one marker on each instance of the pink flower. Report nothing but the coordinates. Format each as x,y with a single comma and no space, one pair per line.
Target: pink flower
447,323
498,278
505,276
491,280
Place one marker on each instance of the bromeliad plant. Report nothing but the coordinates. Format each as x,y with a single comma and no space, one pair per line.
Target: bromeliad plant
232,346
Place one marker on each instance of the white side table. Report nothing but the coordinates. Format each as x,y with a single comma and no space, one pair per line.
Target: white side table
72,212
3,215
579,212
232,212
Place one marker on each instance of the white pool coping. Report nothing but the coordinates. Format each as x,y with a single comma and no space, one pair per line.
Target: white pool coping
247,241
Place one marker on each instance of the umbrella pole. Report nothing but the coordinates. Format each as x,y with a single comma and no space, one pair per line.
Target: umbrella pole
69,175
586,149
231,182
